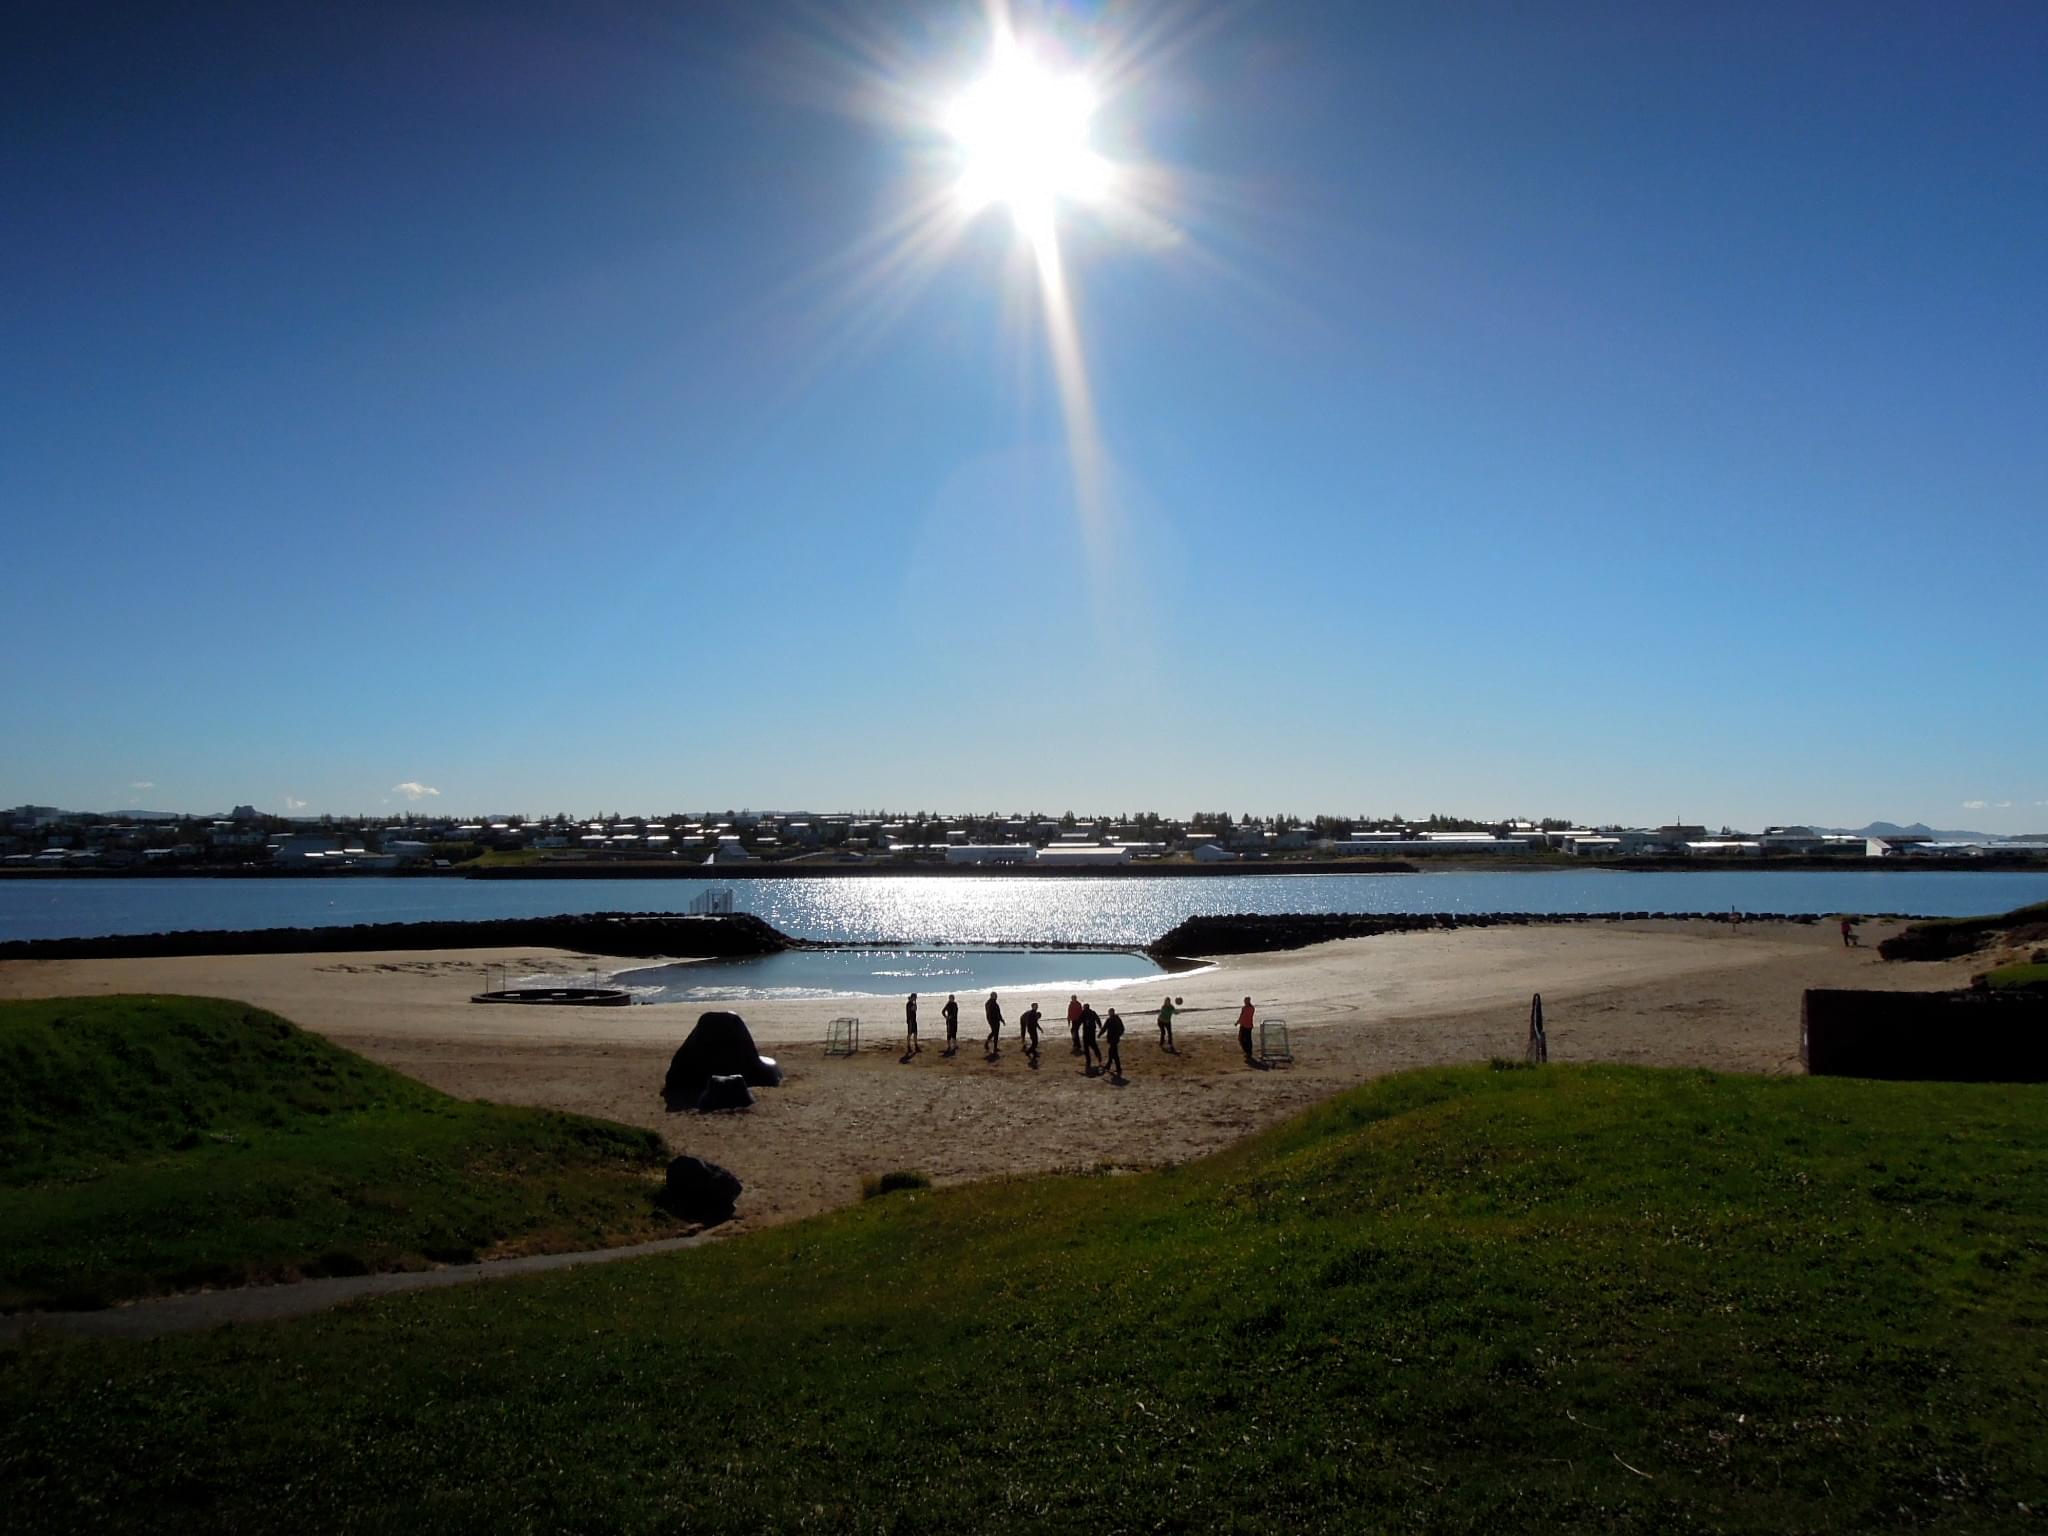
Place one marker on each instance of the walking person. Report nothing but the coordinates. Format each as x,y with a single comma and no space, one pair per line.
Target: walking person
951,1014
1244,1033
910,1026
1849,939
1074,1021
1027,1027
1113,1032
1091,1053
1166,1011
993,1012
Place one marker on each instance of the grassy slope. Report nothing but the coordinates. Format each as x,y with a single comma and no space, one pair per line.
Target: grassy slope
1946,938
2022,976
1454,1299
153,1143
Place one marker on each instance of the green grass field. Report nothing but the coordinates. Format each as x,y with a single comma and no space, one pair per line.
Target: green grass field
157,1143
2022,976
1566,1298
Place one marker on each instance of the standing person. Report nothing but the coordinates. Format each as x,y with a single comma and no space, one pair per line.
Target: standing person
910,1025
951,1014
1166,1025
1074,1020
1027,1026
1113,1032
1849,939
1244,1032
993,1012
1091,1053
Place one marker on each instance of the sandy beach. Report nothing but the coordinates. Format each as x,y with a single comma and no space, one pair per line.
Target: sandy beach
1662,994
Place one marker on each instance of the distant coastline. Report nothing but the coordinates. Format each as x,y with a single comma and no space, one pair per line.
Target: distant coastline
764,870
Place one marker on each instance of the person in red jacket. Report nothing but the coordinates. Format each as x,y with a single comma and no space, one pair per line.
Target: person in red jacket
1244,1032
1074,1020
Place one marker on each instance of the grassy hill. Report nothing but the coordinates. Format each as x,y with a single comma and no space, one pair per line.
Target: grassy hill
158,1143
1569,1298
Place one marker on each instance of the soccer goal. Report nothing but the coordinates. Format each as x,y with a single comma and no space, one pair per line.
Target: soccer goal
1274,1047
842,1037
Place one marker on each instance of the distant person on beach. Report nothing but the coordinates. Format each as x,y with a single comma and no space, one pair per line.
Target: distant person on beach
993,1011
1091,1053
951,1014
1849,939
1244,1032
1027,1027
1113,1032
1166,1025
1074,1021
910,1025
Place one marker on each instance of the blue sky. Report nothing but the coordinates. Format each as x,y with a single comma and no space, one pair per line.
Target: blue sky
1618,411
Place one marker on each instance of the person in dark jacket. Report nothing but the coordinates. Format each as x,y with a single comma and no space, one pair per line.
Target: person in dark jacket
993,1012
1113,1032
951,1014
910,1026
1091,1053
1027,1026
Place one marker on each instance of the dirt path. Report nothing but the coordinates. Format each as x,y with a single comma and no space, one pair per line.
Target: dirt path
157,1315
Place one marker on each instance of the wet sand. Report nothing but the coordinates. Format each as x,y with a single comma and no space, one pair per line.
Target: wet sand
1650,993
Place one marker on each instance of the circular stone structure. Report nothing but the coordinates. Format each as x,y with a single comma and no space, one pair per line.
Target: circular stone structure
560,997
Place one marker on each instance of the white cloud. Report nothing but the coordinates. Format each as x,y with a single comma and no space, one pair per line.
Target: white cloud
293,805
2005,805
142,784
413,789
1974,805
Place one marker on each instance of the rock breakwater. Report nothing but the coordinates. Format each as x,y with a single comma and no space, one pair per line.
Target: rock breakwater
1249,933
636,935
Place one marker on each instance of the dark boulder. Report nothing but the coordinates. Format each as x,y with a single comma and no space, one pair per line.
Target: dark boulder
700,1191
725,1091
720,1045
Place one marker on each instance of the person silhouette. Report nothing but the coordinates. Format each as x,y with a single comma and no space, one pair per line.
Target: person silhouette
1244,1033
1091,1053
910,1026
1113,1032
993,1012
1074,1021
1166,1011
951,1014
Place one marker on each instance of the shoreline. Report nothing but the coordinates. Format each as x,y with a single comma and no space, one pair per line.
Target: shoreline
669,936
1637,992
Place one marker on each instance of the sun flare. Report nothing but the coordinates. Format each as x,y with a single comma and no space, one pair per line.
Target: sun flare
1022,133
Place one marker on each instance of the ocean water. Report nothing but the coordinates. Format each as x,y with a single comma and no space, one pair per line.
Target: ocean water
970,911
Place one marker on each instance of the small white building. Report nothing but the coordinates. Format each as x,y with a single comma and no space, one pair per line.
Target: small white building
991,853
1075,855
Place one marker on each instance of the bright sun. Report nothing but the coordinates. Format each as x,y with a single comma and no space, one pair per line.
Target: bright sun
1023,137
